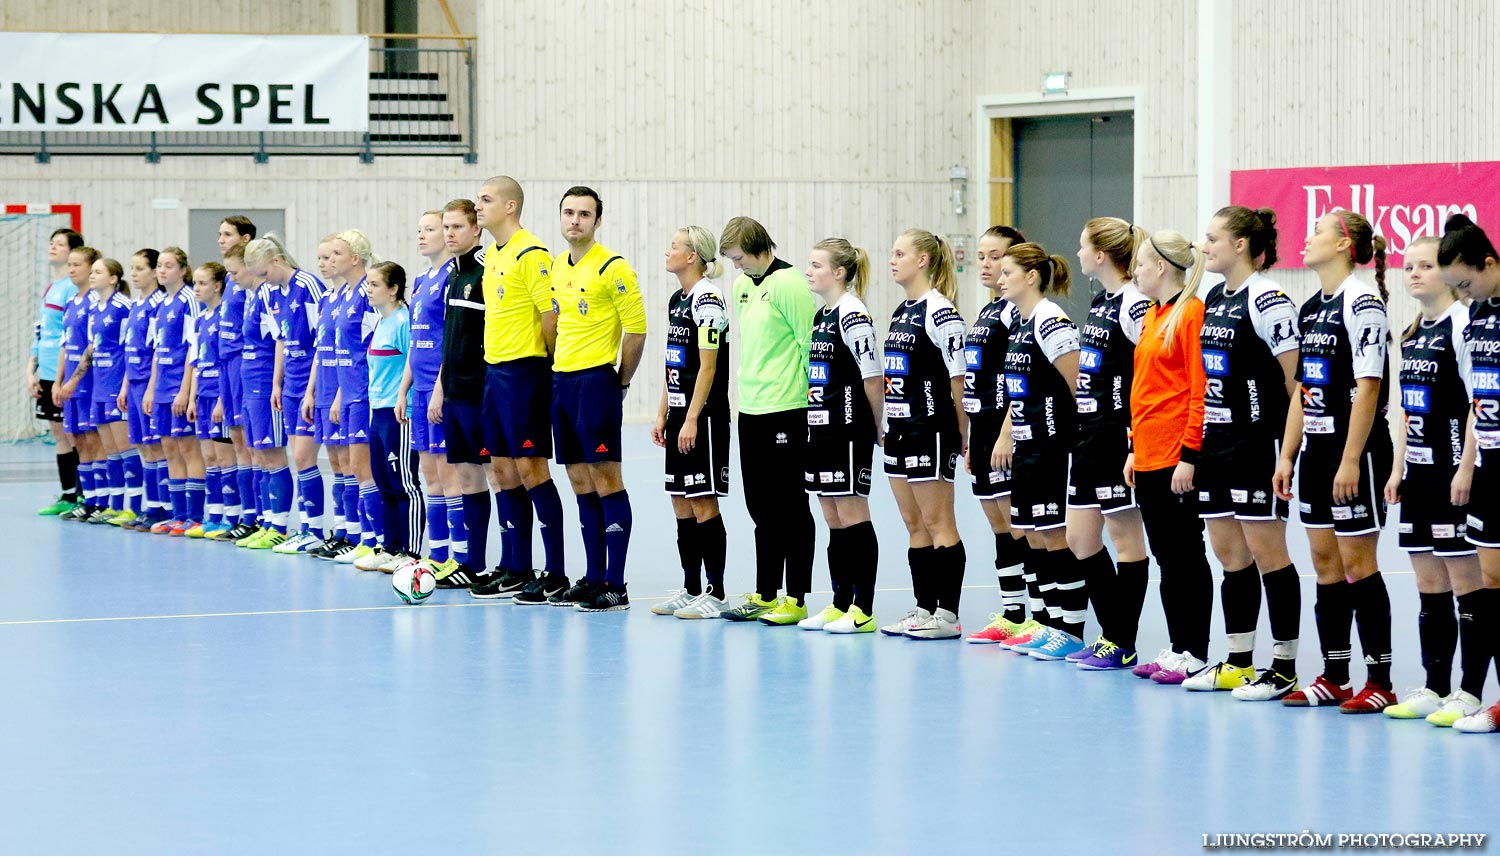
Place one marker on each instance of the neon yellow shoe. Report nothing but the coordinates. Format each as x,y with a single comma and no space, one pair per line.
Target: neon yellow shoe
251,538
1455,707
853,621
124,517
443,570
786,610
271,539
355,555
1220,677
195,531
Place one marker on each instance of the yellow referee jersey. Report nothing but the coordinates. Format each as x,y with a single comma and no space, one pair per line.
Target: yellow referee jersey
597,299
517,289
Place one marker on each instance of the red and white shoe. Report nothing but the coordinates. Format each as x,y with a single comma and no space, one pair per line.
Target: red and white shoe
1372,699
1320,693
997,631
1486,721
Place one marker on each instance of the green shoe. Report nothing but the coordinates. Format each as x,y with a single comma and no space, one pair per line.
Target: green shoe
251,538
786,610
124,517
61,506
271,539
751,609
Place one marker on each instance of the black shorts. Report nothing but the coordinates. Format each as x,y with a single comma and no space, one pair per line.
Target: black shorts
1482,524
1238,484
587,409
840,461
1319,463
44,408
1039,488
1430,522
921,454
1096,476
463,428
705,470
984,431
518,409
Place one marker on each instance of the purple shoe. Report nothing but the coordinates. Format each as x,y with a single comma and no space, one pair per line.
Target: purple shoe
1185,666
1151,667
1108,657
1088,651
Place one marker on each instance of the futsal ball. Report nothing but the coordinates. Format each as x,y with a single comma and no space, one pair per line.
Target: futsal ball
413,581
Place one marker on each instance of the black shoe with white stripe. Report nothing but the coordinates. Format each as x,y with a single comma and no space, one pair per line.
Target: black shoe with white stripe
606,598
462,576
506,585
540,590
580,592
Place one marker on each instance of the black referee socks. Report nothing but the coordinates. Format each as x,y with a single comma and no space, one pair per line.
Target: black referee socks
690,554
1437,628
1372,613
1240,594
1334,611
864,557
948,571
1284,607
713,546
922,583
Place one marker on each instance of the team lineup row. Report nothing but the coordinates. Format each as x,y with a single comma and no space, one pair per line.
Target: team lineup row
1158,415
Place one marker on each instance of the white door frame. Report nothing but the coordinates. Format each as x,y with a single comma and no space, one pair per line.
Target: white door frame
1031,104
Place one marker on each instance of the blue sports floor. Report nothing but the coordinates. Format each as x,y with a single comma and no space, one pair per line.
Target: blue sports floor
166,696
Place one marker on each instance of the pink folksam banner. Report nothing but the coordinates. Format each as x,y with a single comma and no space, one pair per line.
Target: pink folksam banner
1404,202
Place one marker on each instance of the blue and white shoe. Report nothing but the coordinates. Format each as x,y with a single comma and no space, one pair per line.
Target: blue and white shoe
1058,647
1041,637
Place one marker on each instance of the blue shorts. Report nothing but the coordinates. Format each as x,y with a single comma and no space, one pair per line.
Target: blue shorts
463,432
354,421
425,436
326,431
78,414
266,427
587,409
518,408
291,416
138,422
105,412
206,427
232,393
169,423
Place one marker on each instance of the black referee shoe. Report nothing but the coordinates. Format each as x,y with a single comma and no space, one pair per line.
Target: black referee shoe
581,591
606,598
504,586
540,590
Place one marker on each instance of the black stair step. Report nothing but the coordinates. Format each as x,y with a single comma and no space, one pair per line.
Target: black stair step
411,117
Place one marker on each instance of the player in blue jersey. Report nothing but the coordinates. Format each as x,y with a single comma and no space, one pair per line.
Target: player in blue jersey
41,369
105,360
205,410
256,349
421,389
237,476
354,322
284,312
73,390
140,430
167,393
318,410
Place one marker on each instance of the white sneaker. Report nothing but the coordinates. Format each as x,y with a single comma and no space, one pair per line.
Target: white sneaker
352,556
1420,703
821,620
942,625
1270,686
1457,706
298,543
703,606
373,560
677,599
1484,722
914,618
394,561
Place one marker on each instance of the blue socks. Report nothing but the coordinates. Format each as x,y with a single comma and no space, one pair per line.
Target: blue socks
115,478
617,524
591,521
229,495
310,489
213,484
280,491
458,532
134,475
249,478
177,490
338,506
437,528
372,513
194,492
